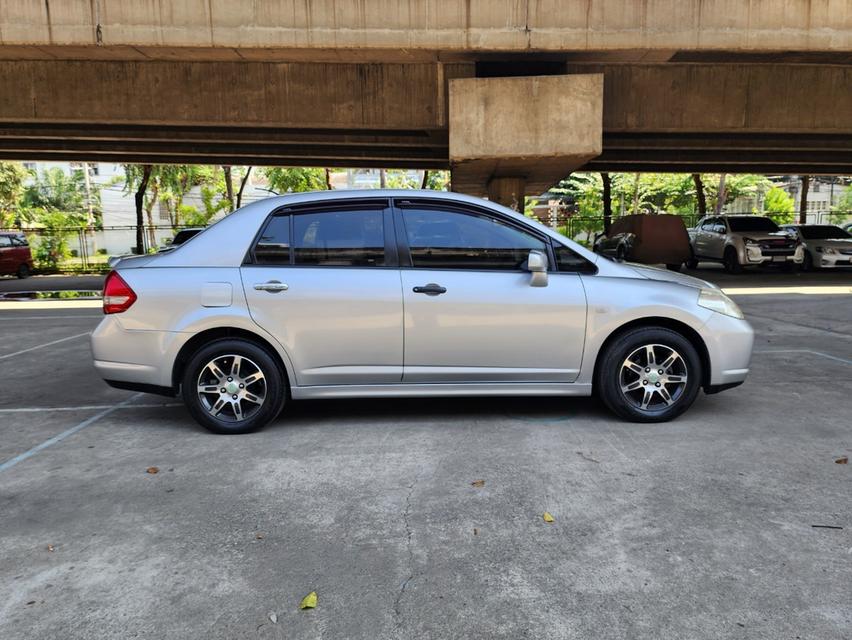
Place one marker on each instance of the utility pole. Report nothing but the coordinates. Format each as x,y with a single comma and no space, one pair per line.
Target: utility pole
803,203
90,214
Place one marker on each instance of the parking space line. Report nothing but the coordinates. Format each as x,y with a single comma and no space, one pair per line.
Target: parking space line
13,317
42,346
68,432
811,351
90,407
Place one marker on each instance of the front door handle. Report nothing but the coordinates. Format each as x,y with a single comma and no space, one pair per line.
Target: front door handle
430,289
273,286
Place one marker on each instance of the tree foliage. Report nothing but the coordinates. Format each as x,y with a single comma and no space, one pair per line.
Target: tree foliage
295,179
55,192
779,206
12,176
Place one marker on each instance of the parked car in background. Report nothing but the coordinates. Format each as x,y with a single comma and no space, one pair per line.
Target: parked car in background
741,241
180,237
395,293
826,245
649,239
847,226
15,255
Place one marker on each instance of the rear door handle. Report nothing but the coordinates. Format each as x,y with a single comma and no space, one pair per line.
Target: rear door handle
430,289
273,286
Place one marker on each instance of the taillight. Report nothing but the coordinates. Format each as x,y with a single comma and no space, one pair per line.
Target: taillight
118,296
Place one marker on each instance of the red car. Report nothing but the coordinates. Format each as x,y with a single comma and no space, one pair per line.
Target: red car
15,256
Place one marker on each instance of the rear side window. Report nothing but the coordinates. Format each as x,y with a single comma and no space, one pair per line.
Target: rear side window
339,238
455,240
5,241
273,246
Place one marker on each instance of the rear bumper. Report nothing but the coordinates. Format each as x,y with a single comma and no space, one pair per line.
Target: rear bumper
138,357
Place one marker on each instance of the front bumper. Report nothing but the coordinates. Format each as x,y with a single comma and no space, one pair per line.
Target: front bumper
833,260
756,255
729,344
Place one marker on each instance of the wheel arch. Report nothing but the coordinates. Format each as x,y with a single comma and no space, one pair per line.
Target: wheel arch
655,322
203,337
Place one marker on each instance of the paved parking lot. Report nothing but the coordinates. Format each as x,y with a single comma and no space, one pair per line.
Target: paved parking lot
701,528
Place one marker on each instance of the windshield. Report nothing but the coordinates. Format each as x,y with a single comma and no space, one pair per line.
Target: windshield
823,232
752,223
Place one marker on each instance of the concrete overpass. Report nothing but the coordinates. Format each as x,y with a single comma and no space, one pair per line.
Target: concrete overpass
512,94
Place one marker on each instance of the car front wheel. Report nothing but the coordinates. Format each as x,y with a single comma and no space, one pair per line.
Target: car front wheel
233,386
732,261
649,375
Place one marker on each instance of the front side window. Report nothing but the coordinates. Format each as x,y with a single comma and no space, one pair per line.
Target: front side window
458,240
339,238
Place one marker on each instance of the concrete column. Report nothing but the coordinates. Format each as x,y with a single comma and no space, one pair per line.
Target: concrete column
508,191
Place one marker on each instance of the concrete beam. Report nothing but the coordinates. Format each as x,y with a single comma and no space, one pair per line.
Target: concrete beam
436,25
537,129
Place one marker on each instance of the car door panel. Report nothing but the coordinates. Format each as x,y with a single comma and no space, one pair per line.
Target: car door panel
492,326
482,321
336,303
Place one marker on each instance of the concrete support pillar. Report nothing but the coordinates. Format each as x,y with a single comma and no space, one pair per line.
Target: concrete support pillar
510,137
508,191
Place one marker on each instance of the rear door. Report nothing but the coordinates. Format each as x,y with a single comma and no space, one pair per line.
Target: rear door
325,282
471,314
6,257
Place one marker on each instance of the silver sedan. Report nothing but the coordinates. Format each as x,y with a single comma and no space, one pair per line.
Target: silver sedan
407,293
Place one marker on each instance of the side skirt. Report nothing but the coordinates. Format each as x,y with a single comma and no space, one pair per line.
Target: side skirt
403,390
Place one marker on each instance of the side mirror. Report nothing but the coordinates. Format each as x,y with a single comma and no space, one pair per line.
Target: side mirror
537,266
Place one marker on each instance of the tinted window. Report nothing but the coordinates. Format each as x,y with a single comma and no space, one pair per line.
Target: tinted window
273,247
823,232
455,240
752,223
710,224
5,241
567,260
339,238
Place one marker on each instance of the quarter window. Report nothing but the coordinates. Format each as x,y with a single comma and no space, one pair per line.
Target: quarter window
567,260
273,247
455,240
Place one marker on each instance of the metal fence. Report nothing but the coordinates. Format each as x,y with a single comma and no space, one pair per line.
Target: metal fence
76,249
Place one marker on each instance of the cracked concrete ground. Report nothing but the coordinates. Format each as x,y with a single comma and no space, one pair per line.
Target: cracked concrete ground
700,528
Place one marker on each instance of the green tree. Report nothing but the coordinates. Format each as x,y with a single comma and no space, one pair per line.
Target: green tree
842,211
296,179
12,176
779,206
436,180
57,192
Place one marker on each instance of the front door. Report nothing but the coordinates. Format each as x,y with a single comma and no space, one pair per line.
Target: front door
326,286
471,314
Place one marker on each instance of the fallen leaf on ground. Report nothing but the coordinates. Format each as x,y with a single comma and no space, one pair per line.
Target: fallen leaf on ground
258,536
843,460
547,517
273,617
50,547
477,483
309,601
153,470
475,531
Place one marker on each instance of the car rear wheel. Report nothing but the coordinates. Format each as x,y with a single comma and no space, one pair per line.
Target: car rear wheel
673,267
808,263
731,261
691,263
233,386
23,271
649,375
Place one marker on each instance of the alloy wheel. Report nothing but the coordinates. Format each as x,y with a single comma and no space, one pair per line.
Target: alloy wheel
653,377
231,388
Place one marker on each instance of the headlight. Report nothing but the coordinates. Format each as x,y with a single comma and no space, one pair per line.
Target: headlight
717,301
827,250
749,241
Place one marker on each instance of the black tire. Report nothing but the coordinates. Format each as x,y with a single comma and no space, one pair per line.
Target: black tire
673,267
732,261
808,262
23,271
273,386
620,254
610,375
691,263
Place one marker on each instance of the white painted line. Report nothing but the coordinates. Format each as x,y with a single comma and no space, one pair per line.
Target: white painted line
42,346
68,432
6,305
14,317
90,407
811,351
804,290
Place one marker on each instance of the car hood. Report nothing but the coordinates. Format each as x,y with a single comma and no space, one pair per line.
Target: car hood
664,275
